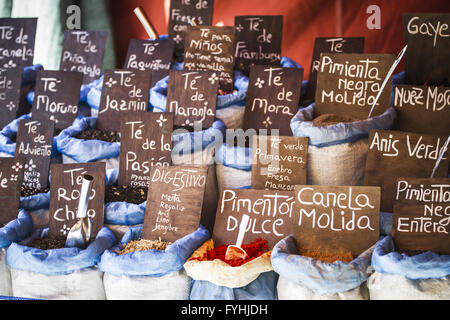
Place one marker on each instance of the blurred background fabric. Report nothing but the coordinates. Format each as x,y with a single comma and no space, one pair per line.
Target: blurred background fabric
304,20
52,17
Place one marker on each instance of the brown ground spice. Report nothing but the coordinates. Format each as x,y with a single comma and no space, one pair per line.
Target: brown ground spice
26,191
329,119
47,243
328,256
411,253
143,244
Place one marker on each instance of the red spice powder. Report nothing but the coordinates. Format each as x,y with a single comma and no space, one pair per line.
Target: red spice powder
253,250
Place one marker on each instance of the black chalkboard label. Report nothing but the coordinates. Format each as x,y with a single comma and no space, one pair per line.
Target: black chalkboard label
154,55
57,95
348,83
192,97
428,38
272,98
258,41
10,82
83,51
17,37
65,193
123,91
212,49
11,175
34,142
146,141
182,12
330,45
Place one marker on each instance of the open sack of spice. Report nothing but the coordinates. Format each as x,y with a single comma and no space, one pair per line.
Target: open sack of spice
233,167
232,272
149,269
45,269
318,276
408,276
338,145
14,231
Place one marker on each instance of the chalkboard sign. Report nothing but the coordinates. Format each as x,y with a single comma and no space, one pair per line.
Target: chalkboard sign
146,141
35,143
422,109
427,37
123,91
192,97
212,49
395,154
11,175
271,215
174,202
17,37
330,45
421,214
10,83
272,98
57,95
279,162
348,83
83,51
154,55
336,219
182,12
258,41
65,193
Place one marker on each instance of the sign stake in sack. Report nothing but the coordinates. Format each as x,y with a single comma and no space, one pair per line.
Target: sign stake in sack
145,21
389,74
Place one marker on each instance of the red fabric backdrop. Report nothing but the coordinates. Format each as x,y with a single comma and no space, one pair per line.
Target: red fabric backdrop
304,20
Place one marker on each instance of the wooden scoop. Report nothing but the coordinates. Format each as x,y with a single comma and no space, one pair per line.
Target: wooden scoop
235,252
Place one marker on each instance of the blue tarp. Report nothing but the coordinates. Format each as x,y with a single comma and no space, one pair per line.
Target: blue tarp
16,230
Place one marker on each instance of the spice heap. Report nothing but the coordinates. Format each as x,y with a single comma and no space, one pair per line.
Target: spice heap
223,92
142,245
329,257
411,253
27,191
47,243
253,250
329,119
124,193
95,134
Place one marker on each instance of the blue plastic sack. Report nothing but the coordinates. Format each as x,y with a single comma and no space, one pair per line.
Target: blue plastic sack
58,261
302,126
263,288
321,277
427,265
16,230
154,263
85,150
234,157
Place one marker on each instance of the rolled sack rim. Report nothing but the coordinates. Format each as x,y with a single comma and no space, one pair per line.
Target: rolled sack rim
17,229
427,265
302,126
234,157
154,263
58,261
321,277
82,150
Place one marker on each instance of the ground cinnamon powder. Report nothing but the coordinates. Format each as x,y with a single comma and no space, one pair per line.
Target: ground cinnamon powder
329,257
329,119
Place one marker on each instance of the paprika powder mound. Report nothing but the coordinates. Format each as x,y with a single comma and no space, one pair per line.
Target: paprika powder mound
253,250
